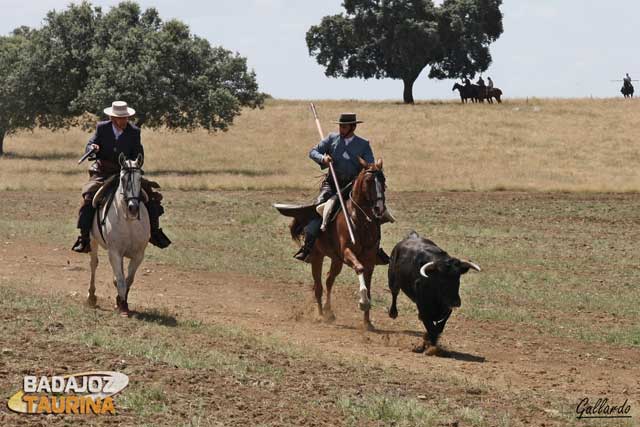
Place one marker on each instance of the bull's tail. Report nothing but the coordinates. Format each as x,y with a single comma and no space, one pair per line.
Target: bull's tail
297,229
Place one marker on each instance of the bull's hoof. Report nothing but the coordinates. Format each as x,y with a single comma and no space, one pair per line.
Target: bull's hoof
92,301
393,312
418,349
432,350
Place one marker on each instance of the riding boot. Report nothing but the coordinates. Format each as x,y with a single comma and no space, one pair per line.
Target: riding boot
158,238
326,212
387,217
305,250
83,243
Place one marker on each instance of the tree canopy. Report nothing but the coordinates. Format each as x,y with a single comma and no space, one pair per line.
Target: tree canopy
83,59
398,39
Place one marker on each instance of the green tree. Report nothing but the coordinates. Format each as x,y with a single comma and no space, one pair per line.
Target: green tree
398,39
15,109
82,59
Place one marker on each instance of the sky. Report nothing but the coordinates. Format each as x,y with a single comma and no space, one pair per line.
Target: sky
549,48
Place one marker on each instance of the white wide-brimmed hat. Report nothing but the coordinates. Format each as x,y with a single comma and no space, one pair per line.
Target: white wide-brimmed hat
119,109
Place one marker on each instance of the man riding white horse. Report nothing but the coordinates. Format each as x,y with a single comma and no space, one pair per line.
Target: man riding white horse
343,150
112,138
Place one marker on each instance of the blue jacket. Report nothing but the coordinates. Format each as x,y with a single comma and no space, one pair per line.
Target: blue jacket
110,148
345,157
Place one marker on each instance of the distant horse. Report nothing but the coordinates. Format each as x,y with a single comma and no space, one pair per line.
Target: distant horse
469,92
627,90
365,207
494,93
125,232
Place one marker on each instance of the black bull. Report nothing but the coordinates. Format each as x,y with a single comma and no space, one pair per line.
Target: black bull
431,279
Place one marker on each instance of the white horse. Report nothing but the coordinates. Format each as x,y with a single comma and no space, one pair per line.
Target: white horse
125,232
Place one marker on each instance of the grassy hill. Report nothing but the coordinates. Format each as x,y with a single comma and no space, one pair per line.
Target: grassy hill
548,145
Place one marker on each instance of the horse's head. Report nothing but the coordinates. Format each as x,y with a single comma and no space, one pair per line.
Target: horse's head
370,186
455,86
130,184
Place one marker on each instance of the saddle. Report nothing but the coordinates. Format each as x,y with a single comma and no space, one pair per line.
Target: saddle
105,191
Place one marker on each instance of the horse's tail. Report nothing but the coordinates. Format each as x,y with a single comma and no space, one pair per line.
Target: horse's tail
297,229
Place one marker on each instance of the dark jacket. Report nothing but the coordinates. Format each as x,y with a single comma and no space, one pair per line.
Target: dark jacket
110,148
345,157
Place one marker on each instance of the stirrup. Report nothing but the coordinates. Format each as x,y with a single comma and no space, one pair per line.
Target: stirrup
82,245
387,217
301,255
159,239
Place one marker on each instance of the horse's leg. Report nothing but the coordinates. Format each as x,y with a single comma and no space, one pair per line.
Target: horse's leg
118,271
352,261
91,298
368,273
316,271
134,263
336,268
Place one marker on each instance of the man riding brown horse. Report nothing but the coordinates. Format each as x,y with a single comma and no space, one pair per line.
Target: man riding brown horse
112,138
343,149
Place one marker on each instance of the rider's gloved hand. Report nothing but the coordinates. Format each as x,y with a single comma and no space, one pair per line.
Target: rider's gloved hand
326,160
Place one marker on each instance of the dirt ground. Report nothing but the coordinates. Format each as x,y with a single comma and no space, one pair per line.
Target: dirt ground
530,375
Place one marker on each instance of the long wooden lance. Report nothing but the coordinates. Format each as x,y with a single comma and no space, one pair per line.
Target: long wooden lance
335,179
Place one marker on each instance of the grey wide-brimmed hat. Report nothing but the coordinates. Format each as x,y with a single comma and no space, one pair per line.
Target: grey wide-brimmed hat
119,109
348,119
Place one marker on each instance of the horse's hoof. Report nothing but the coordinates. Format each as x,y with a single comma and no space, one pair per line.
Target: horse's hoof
92,301
126,313
364,306
393,312
368,326
329,317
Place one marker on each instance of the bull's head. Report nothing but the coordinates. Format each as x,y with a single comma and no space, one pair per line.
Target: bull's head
444,275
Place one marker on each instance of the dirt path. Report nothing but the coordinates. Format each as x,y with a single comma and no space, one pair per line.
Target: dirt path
529,368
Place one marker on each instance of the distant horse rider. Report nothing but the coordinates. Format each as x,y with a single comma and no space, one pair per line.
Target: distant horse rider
627,80
112,138
489,85
342,149
482,88
467,82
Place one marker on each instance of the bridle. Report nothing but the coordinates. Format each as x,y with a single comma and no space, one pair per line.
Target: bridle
129,190
372,202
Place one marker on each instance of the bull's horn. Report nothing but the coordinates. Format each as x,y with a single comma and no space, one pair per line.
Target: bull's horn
472,265
427,266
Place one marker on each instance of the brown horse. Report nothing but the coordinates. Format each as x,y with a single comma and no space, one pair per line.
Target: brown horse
365,207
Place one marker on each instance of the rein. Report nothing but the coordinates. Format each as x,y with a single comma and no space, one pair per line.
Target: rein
123,191
372,203
358,206
130,188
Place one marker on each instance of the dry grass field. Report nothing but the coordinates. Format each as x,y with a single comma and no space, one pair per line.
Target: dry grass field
225,331
548,145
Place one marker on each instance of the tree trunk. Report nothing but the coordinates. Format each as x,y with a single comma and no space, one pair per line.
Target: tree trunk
408,91
1,142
